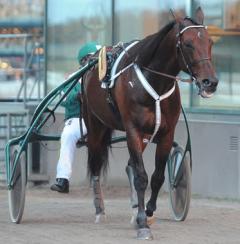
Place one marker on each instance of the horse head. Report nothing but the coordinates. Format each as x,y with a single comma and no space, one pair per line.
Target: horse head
194,53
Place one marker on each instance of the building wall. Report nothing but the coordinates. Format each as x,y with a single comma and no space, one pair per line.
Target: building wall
216,161
215,148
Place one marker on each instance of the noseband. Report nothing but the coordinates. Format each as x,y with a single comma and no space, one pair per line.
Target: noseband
179,47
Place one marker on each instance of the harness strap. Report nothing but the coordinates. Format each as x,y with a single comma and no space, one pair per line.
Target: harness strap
191,26
119,73
115,66
156,97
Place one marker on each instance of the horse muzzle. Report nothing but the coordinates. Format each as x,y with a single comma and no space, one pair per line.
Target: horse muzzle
206,87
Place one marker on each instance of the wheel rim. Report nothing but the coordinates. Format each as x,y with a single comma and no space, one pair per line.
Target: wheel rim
16,194
181,193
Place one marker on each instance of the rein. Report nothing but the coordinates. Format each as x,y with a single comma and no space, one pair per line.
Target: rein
177,78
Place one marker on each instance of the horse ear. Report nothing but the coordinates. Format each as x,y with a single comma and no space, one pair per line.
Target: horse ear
173,14
199,16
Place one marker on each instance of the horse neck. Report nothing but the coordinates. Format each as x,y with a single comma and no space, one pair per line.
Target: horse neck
164,61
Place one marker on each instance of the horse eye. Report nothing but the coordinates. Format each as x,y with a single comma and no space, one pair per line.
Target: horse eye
189,45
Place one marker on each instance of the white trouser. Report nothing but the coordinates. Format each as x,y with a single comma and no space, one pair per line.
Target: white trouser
69,137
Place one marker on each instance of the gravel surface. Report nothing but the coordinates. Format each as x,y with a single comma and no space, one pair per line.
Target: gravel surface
51,217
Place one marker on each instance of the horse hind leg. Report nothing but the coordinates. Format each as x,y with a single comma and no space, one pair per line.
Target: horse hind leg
98,199
99,138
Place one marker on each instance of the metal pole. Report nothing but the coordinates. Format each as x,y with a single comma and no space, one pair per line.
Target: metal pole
45,48
25,72
39,74
113,23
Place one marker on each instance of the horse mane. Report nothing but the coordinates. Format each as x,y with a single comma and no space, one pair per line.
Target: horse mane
146,48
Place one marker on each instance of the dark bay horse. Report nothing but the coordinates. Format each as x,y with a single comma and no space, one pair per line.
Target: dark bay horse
147,104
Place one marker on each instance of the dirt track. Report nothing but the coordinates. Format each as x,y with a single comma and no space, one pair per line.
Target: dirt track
55,218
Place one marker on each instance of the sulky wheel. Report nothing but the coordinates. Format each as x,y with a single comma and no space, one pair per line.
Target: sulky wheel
180,193
16,194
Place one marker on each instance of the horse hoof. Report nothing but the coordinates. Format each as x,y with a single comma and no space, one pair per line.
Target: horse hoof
151,220
100,218
144,234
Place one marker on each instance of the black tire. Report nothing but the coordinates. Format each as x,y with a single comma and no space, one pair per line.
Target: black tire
16,195
180,195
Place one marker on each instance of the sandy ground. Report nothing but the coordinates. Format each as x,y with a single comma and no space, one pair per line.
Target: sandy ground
51,217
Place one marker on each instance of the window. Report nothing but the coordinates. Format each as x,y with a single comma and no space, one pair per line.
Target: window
138,19
70,25
222,18
21,49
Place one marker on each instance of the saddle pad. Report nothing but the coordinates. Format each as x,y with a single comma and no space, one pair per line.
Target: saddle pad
102,63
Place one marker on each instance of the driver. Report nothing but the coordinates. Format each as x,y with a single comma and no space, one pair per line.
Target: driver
71,131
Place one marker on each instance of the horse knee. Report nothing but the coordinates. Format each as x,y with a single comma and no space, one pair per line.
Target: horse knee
141,182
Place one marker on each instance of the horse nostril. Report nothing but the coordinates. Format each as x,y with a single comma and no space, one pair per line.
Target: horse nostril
206,82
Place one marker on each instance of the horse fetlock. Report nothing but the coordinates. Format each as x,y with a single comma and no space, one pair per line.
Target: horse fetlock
142,220
99,209
150,209
149,213
101,217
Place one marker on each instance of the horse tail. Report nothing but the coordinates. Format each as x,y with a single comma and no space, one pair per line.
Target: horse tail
98,153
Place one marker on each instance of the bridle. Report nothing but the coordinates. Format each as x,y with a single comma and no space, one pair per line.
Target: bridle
188,66
179,47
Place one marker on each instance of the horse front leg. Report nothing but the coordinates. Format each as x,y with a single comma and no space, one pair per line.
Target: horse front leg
136,147
162,152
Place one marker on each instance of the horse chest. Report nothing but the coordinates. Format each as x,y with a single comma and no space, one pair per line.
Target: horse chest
144,119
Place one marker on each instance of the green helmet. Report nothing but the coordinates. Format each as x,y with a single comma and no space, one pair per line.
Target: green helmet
88,48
